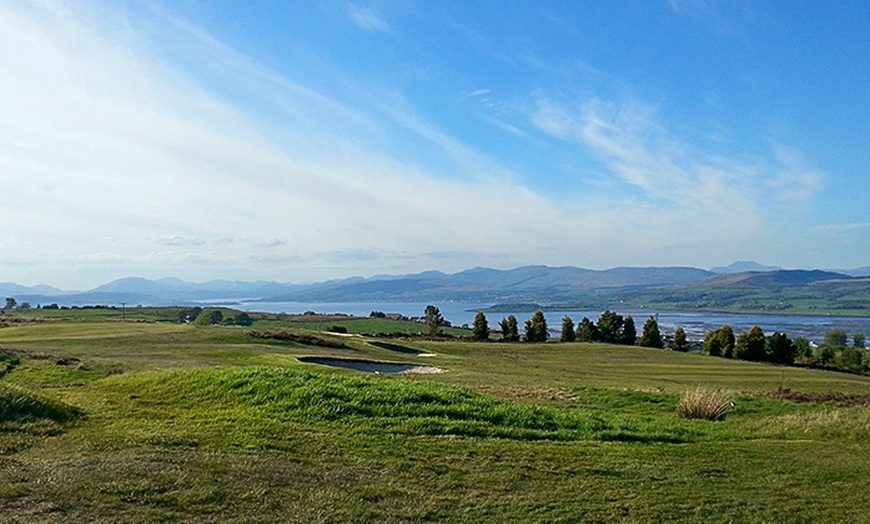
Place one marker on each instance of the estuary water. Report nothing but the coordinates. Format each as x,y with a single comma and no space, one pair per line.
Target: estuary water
696,324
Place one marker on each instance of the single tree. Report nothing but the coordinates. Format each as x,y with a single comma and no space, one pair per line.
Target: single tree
825,354
433,320
850,358
751,345
720,342
10,305
568,334
204,319
680,342
837,338
480,330
536,328
510,330
188,316
610,327
651,337
712,345
728,341
244,319
780,349
216,316
628,335
587,331
802,348
858,339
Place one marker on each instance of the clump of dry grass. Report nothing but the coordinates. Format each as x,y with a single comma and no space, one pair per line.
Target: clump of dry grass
705,404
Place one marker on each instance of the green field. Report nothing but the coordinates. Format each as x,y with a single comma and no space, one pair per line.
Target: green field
122,421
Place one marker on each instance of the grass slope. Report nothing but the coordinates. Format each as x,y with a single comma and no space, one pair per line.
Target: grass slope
152,422
782,292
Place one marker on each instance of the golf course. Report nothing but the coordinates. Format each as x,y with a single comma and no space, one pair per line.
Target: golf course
111,416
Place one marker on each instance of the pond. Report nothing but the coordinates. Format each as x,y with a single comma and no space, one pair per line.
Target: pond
371,366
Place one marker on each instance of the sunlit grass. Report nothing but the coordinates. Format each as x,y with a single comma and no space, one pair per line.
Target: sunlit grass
182,423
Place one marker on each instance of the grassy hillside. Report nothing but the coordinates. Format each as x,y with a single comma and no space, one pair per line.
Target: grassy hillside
784,292
124,421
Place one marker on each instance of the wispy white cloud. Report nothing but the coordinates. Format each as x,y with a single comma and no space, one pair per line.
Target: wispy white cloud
684,7
478,92
684,191
275,242
795,182
159,150
104,138
178,240
859,226
366,18
630,139
710,12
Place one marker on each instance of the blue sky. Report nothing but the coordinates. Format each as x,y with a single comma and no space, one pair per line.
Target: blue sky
302,141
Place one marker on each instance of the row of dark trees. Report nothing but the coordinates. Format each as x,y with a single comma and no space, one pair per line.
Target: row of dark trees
835,352
208,317
611,328
751,345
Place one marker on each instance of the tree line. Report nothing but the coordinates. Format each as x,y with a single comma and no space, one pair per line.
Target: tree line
611,328
751,345
209,317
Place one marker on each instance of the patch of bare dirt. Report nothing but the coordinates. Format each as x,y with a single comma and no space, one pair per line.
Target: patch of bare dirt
834,397
524,392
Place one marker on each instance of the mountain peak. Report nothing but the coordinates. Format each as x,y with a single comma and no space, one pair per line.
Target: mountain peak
743,266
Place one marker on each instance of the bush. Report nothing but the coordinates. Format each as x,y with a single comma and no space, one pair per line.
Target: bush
203,319
243,319
709,405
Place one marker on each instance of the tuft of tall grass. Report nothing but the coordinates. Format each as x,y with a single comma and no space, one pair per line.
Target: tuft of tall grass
705,404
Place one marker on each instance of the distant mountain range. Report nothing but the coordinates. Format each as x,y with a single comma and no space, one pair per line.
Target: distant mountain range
134,290
679,286
528,283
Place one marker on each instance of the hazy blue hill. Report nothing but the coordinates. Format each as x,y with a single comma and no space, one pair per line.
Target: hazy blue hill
791,291
527,283
478,274
173,288
133,285
654,276
10,289
774,279
857,272
137,290
743,266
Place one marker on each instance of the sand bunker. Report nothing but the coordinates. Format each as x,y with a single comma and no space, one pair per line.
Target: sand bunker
371,366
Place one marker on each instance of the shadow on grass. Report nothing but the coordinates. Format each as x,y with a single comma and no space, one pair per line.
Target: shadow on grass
366,366
17,405
396,347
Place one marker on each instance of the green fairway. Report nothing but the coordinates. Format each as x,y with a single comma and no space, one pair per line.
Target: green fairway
137,421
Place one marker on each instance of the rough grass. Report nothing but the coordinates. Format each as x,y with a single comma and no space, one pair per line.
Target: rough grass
208,425
26,417
357,404
17,405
